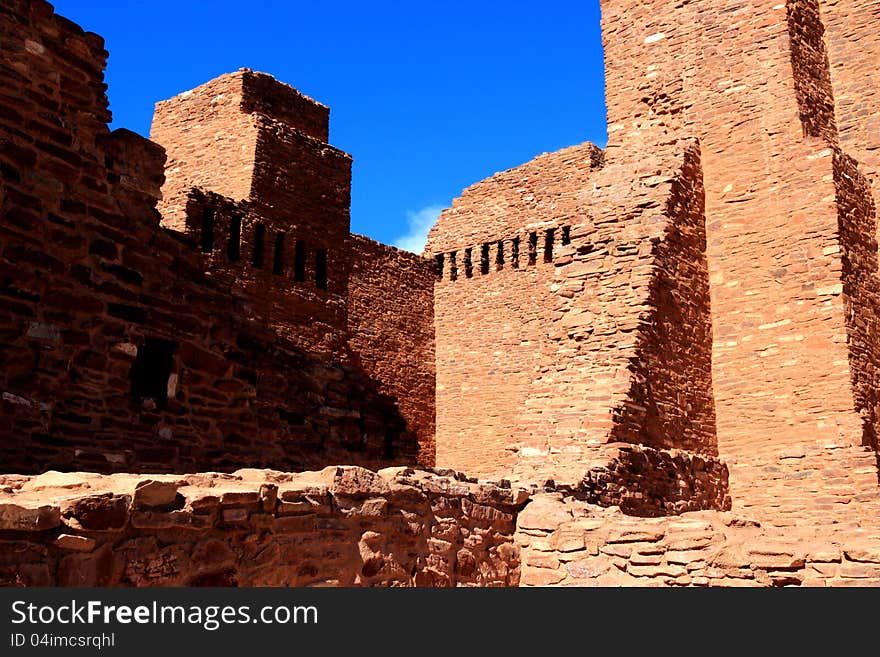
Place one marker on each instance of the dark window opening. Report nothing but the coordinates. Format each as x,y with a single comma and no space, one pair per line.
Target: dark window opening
225,578
468,263
321,269
299,261
151,371
533,248
453,266
499,255
233,249
484,259
566,235
259,245
438,266
278,260
391,439
207,230
514,252
548,245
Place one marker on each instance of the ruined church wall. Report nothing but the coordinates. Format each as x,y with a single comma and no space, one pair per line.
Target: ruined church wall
337,527
185,125
628,355
853,45
391,331
292,193
89,281
747,80
490,327
609,339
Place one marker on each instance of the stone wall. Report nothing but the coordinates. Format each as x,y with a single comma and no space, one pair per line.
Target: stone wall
564,542
490,327
340,526
261,144
853,48
125,346
391,330
227,167
751,80
596,313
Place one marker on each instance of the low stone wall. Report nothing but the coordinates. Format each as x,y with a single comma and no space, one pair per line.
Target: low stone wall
341,526
644,481
564,542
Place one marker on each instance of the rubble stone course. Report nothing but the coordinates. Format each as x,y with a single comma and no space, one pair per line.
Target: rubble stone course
341,526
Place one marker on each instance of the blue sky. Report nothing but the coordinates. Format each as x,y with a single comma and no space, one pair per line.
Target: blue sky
427,97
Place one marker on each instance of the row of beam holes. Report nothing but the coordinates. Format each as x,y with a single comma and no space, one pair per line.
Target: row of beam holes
484,264
233,249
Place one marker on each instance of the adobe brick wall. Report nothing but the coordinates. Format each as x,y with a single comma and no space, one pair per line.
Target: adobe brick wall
789,314
391,331
608,341
564,542
88,278
340,526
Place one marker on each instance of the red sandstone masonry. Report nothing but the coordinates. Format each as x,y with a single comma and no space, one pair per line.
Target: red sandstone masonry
293,252
340,527
630,339
608,341
210,114
564,542
294,186
595,333
788,354
89,280
391,329
854,49
490,327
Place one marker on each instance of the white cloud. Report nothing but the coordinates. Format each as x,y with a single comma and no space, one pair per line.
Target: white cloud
418,224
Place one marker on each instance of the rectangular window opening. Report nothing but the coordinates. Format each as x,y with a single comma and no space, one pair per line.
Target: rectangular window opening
321,269
514,252
499,256
151,372
453,266
278,260
208,215
259,246
548,245
233,249
438,266
484,259
566,235
533,248
299,261
468,263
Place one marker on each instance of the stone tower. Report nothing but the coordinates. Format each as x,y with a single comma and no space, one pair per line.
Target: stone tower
260,143
780,96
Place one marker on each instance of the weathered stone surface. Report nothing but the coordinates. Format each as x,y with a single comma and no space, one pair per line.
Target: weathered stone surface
350,533
544,512
75,543
154,494
29,518
100,512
